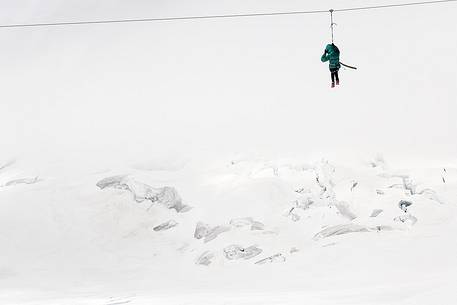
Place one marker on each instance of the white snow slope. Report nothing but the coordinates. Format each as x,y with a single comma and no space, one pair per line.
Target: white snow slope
66,241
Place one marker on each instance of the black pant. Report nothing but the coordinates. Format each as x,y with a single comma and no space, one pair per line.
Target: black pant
334,74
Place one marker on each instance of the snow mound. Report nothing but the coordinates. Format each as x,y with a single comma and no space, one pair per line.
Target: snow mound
339,230
234,252
272,259
11,175
166,225
167,196
205,258
208,233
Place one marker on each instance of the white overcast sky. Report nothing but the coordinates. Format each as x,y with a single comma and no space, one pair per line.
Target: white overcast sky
245,84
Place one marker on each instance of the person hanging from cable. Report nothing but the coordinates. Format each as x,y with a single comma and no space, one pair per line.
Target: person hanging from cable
332,55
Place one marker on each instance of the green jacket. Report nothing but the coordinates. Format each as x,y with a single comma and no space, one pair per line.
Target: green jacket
332,55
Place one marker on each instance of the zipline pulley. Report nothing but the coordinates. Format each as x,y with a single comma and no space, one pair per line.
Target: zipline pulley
331,21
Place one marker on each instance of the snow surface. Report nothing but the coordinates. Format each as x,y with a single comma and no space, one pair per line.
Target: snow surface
66,241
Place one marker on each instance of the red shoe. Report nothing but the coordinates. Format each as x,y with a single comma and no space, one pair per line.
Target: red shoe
337,82
333,85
